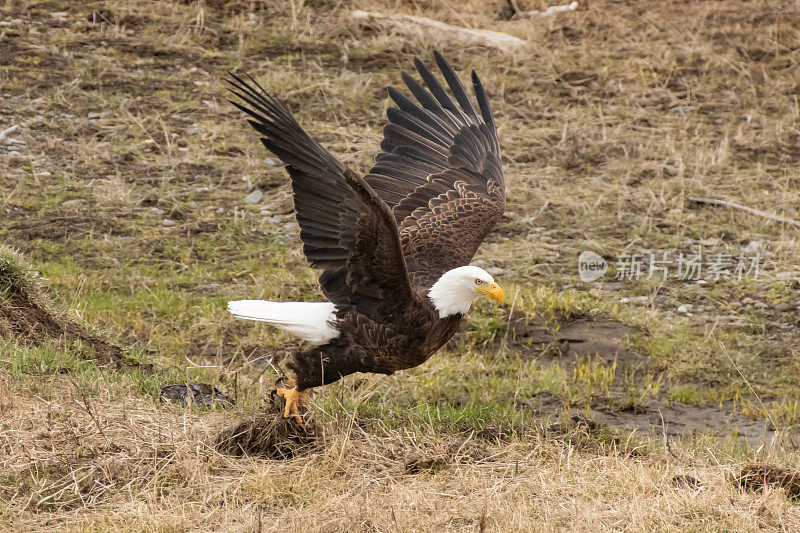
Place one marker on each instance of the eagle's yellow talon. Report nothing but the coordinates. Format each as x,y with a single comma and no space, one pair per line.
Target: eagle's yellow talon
294,399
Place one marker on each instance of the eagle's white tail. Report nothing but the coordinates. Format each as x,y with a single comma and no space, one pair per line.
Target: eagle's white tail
307,320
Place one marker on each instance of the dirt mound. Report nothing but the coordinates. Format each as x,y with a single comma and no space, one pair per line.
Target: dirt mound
26,317
758,476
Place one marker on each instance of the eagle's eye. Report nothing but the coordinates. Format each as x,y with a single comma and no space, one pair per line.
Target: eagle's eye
478,282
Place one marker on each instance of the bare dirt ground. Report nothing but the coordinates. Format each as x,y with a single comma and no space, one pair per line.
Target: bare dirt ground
619,404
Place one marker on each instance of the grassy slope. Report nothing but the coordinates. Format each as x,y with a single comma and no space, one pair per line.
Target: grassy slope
595,158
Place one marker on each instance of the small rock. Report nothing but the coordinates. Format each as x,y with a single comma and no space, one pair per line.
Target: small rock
752,247
735,305
168,223
71,203
93,116
683,109
254,197
748,301
157,210
783,306
220,210
635,300
497,271
271,162
685,309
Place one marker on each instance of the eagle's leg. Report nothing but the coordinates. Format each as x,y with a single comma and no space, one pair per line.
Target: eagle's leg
294,398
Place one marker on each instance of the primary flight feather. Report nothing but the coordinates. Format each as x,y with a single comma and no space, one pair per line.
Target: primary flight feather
393,246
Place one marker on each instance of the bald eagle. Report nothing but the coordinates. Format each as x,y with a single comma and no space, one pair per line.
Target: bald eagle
394,246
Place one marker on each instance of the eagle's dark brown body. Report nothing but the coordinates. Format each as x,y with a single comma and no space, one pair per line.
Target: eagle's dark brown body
382,240
369,346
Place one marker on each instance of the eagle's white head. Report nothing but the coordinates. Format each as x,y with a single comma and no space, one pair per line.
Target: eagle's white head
458,288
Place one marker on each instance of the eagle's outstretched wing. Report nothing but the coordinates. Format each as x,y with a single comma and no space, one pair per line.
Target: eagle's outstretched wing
440,171
347,230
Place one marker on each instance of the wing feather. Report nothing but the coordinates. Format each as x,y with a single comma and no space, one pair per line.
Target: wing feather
435,191
347,230
440,171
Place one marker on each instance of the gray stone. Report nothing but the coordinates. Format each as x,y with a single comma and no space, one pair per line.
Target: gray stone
497,271
635,300
254,197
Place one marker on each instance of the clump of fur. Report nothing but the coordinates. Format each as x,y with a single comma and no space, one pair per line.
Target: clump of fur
269,435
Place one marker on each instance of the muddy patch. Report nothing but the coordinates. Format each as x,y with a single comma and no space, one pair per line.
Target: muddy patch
679,419
659,417
567,340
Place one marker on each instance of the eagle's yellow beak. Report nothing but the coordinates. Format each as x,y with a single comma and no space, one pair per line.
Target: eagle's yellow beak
492,290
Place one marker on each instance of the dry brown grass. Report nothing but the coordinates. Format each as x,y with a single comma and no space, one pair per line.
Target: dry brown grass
137,467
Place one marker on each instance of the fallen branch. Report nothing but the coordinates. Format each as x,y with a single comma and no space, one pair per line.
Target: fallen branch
552,10
6,132
734,205
422,26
